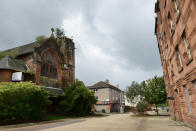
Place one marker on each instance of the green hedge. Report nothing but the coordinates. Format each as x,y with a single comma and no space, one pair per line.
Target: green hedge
22,101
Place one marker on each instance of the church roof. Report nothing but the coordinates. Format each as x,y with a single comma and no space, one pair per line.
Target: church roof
24,49
13,64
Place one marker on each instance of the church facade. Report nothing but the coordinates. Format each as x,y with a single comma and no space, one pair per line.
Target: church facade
50,63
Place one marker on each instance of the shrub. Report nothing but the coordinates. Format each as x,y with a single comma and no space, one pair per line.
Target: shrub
22,101
78,100
142,106
40,40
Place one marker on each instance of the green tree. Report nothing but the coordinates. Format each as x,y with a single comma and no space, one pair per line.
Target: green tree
78,100
40,40
59,33
142,106
155,92
135,92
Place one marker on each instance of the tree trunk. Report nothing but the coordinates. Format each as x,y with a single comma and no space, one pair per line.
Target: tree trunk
157,110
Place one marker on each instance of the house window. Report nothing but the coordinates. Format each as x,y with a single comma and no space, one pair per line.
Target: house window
179,58
187,46
95,90
187,98
49,65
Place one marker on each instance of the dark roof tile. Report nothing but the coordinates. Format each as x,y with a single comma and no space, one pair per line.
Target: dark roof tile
24,49
102,84
13,64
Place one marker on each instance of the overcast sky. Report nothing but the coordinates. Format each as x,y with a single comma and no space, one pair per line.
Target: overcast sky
114,38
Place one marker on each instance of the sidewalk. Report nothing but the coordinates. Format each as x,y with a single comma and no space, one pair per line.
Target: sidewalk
155,123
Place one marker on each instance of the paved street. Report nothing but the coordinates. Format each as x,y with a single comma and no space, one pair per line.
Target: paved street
115,122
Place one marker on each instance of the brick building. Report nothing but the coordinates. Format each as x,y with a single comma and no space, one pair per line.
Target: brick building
175,28
49,63
110,98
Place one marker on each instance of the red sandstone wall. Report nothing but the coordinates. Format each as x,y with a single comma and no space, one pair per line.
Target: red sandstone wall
5,75
175,77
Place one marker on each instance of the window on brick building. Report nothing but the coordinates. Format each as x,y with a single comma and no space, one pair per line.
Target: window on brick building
187,98
177,6
49,65
171,24
165,3
179,62
187,45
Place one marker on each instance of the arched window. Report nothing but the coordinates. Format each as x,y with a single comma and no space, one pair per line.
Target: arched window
49,65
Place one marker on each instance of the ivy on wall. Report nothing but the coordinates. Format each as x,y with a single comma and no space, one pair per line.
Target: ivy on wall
11,54
46,81
40,40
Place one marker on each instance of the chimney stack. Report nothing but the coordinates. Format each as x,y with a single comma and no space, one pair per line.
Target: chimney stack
107,81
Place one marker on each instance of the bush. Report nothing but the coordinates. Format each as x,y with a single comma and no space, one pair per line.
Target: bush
78,100
22,101
142,106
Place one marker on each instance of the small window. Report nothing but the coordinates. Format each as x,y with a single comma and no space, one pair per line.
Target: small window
177,6
187,46
95,90
171,24
179,58
187,98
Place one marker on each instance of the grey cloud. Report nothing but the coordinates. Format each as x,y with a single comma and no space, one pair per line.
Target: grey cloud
127,35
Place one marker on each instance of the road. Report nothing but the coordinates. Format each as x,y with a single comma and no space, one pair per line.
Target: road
115,122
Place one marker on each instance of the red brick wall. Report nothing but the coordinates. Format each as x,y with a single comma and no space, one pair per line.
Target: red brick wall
176,77
5,75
